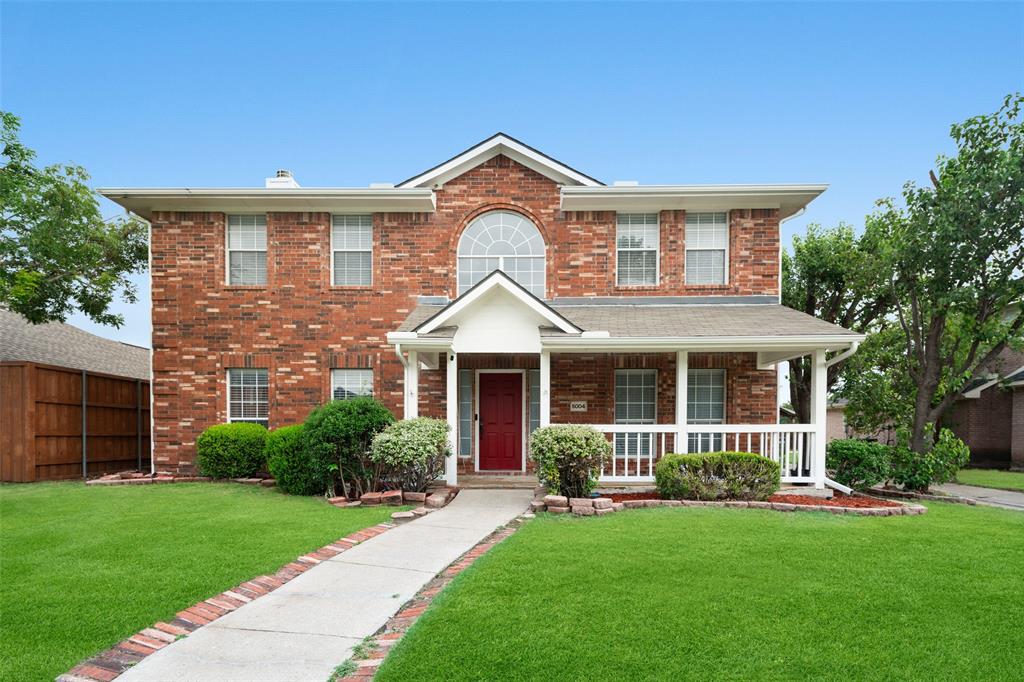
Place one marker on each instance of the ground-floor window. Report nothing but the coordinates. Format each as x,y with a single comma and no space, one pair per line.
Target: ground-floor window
635,401
465,412
248,395
351,383
705,404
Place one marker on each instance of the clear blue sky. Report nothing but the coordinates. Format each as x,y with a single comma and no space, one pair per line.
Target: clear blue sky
859,96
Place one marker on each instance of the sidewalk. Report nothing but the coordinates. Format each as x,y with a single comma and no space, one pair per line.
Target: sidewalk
1007,499
305,628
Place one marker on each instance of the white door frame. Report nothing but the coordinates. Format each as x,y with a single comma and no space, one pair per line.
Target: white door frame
524,414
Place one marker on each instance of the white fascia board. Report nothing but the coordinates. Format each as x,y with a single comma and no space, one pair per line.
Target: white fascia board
652,198
496,279
144,201
488,149
744,344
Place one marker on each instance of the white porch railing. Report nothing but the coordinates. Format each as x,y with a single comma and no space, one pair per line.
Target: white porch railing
638,447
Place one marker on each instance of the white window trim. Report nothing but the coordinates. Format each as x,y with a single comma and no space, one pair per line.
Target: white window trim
615,374
227,396
228,249
372,231
728,242
657,255
725,393
330,396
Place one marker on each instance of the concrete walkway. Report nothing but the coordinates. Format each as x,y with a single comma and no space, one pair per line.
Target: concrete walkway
1007,499
305,628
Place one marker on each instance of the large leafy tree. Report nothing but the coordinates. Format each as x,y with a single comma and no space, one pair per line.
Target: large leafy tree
57,254
838,276
957,246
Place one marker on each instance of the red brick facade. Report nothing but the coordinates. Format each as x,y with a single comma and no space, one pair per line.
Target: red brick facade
299,325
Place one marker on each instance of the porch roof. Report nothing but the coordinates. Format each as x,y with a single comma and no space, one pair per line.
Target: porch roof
666,321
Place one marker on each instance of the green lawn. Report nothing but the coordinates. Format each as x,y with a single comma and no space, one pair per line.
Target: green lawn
992,478
684,593
81,568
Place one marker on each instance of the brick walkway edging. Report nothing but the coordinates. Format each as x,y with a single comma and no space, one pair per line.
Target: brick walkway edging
109,664
368,656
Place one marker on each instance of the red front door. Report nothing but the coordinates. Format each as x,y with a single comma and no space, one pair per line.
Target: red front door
501,421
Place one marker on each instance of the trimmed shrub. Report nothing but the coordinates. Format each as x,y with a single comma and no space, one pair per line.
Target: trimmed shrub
569,457
858,463
918,472
337,436
232,450
716,476
291,466
411,453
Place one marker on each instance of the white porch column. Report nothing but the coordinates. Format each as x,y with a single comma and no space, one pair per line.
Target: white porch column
819,395
545,387
452,405
412,386
682,379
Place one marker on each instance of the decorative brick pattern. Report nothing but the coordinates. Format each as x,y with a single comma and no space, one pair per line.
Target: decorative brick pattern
299,326
109,664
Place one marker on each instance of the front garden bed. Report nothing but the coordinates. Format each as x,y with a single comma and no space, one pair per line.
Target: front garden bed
839,500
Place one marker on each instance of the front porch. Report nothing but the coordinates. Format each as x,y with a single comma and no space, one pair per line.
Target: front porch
654,376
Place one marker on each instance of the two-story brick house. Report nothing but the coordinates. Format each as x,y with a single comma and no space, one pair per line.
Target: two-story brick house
502,290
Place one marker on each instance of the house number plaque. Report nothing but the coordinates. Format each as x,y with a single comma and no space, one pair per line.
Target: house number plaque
578,406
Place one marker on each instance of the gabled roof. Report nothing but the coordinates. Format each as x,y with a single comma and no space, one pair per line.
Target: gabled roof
496,280
63,345
500,143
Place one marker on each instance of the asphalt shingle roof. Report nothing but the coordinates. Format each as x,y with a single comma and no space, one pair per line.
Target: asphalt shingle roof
63,345
663,321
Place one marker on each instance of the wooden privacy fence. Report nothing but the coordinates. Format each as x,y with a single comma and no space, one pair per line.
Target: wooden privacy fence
60,423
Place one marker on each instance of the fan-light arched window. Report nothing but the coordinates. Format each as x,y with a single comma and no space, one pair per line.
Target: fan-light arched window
506,241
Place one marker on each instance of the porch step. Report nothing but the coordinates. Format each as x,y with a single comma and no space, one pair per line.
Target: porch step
512,481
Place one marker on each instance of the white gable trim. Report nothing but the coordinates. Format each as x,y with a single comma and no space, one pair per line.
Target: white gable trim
487,150
497,279
975,393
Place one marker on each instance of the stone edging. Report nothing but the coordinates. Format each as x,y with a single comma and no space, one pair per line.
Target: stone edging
908,495
580,506
108,664
139,478
368,656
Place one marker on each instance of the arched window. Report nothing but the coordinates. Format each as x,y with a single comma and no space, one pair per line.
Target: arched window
506,241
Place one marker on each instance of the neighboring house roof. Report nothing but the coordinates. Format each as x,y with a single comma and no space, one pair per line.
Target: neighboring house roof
55,343
1007,370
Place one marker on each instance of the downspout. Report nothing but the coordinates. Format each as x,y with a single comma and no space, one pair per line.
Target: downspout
778,367
845,354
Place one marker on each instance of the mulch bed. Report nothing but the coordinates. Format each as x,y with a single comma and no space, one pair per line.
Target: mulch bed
838,500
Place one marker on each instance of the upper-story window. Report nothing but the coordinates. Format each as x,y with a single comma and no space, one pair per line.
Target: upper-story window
707,248
636,243
352,249
506,241
247,249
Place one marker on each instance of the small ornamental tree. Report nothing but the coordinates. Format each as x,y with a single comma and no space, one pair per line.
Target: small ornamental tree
338,437
569,457
411,453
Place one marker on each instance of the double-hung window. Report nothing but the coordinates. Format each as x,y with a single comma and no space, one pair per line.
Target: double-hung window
707,248
636,244
705,404
247,249
352,249
351,383
635,397
248,399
